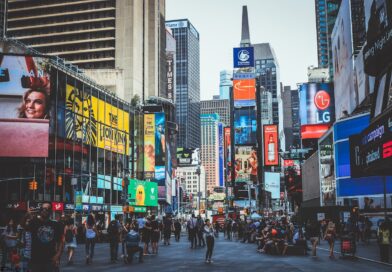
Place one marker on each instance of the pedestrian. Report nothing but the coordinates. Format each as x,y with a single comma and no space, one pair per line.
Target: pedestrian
313,232
26,241
9,238
228,229
177,230
330,235
132,241
155,233
47,241
91,234
209,232
167,229
114,237
384,237
70,239
192,228
200,231
146,237
123,234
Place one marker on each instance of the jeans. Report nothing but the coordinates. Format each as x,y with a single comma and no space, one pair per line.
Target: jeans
210,247
201,238
113,250
132,250
177,235
90,245
192,236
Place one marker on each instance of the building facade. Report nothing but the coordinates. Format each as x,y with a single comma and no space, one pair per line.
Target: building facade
120,44
225,84
187,82
291,124
218,106
191,182
210,149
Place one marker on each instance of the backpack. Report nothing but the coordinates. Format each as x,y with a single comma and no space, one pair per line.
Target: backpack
69,236
113,228
132,239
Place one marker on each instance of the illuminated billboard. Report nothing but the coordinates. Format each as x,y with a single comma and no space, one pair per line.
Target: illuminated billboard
246,164
227,152
149,146
160,146
243,57
221,155
24,95
245,126
270,133
244,92
342,57
272,184
143,193
95,121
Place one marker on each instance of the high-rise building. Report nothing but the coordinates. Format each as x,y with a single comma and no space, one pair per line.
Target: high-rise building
317,74
291,125
218,106
120,44
266,109
225,84
3,22
210,149
187,82
326,13
189,179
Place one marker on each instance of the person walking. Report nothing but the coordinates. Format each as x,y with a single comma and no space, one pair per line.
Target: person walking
330,235
26,241
384,238
177,230
200,231
209,232
313,232
154,234
91,233
146,236
167,229
70,240
132,241
192,229
9,238
114,237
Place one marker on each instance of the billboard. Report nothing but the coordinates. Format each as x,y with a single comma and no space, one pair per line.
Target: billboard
143,193
95,121
227,152
25,96
187,156
245,126
221,160
244,92
342,52
272,184
243,57
149,146
170,75
377,52
270,133
327,171
246,164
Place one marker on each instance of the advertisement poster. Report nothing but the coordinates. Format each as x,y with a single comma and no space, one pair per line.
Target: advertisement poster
327,171
96,122
244,92
342,52
143,193
24,95
272,184
149,146
245,126
160,146
221,159
246,164
271,144
243,57
227,152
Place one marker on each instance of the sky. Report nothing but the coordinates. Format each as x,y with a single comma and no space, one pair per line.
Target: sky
288,25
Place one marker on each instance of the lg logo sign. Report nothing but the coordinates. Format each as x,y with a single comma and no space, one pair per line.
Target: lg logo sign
322,100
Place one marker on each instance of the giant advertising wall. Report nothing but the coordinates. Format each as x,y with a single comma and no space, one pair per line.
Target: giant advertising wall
245,126
221,155
244,92
227,153
143,193
317,109
271,155
272,184
96,122
342,52
154,146
25,106
245,164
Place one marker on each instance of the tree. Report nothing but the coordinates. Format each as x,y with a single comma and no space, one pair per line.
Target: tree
135,100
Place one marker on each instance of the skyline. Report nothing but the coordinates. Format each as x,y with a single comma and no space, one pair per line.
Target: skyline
294,41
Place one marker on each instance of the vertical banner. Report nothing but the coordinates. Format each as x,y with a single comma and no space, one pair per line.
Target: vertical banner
227,152
160,146
221,160
270,133
149,145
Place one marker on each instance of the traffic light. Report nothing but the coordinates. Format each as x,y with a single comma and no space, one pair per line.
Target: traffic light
59,181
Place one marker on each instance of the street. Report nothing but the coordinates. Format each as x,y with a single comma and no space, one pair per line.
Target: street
227,256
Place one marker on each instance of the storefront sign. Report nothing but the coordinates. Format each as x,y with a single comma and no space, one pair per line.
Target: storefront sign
57,206
138,209
96,208
85,207
69,206
115,208
17,206
33,206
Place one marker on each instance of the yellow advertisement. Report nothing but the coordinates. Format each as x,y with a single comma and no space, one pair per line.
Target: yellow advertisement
149,145
96,122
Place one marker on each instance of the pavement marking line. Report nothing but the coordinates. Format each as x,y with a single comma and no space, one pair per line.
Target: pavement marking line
359,257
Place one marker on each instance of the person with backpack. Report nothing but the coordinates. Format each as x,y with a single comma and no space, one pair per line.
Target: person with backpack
91,233
70,239
114,236
132,241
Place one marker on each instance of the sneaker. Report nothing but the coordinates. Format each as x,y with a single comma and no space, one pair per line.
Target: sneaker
207,261
211,261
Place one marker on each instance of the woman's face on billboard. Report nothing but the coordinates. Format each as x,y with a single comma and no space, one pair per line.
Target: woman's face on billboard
35,105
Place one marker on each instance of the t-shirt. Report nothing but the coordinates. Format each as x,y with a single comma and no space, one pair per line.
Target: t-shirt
45,235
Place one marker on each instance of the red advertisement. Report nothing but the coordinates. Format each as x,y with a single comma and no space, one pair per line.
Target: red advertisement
288,163
313,131
58,206
244,92
271,144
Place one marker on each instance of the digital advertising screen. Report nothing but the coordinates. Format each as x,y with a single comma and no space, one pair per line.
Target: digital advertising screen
221,155
245,126
149,145
244,92
25,107
143,193
246,164
271,143
160,146
272,184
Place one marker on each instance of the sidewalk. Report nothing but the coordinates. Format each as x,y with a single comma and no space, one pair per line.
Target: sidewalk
369,251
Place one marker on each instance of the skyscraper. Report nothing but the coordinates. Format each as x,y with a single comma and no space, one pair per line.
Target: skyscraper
210,149
326,13
187,82
225,84
218,106
120,44
291,123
